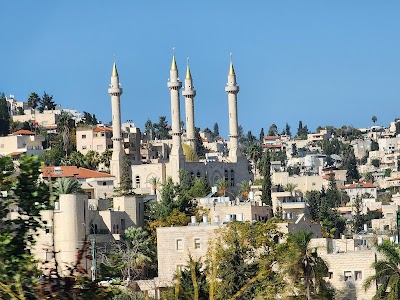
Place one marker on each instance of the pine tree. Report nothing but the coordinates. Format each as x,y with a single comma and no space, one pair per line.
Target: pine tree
287,130
33,100
46,102
265,171
4,116
262,135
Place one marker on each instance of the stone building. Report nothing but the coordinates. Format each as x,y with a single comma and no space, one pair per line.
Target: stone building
175,154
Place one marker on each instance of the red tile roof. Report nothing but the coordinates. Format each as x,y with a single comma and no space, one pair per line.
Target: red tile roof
102,129
23,132
358,185
15,153
271,137
72,171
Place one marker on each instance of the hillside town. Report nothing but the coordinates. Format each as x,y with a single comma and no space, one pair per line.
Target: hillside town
172,211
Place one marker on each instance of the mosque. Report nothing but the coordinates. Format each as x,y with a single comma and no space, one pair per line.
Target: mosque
178,155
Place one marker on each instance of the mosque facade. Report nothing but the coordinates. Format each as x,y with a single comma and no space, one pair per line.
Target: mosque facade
233,167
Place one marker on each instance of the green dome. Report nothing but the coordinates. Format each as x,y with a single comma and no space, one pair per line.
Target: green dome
189,152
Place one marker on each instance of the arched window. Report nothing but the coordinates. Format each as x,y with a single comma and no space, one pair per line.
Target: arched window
198,174
226,176
137,181
232,178
191,174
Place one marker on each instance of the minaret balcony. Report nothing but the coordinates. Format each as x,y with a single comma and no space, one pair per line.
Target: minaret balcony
174,85
115,91
189,93
232,89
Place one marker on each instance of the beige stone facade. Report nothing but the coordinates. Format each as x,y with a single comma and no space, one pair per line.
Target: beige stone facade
21,142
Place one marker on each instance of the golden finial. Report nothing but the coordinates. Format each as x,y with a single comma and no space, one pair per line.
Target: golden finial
231,69
188,74
114,70
173,64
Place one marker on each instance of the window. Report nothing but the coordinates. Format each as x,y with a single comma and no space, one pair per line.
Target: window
49,229
137,180
198,174
84,147
83,136
197,243
122,225
179,244
232,178
358,275
330,275
347,275
104,183
2,146
226,176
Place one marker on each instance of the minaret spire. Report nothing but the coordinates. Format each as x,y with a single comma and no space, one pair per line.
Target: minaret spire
189,93
115,91
232,90
177,158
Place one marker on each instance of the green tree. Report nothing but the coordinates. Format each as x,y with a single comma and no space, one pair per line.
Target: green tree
33,100
131,257
200,187
244,188
18,270
161,129
125,185
105,158
306,269
192,283
313,201
358,218
376,162
4,116
215,130
262,135
387,272
349,163
265,171
46,102
374,119
255,155
200,149
241,260
374,146
273,130
92,160
222,186
65,185
64,125
149,129
287,129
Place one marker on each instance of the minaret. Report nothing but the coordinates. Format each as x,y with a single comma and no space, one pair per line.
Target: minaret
115,91
232,89
177,158
189,93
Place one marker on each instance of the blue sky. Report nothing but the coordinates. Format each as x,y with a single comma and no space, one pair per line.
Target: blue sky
322,62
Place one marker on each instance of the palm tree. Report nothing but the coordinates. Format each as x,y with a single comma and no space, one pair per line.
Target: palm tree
155,182
105,158
66,185
222,186
305,267
255,154
290,187
64,124
387,272
244,188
